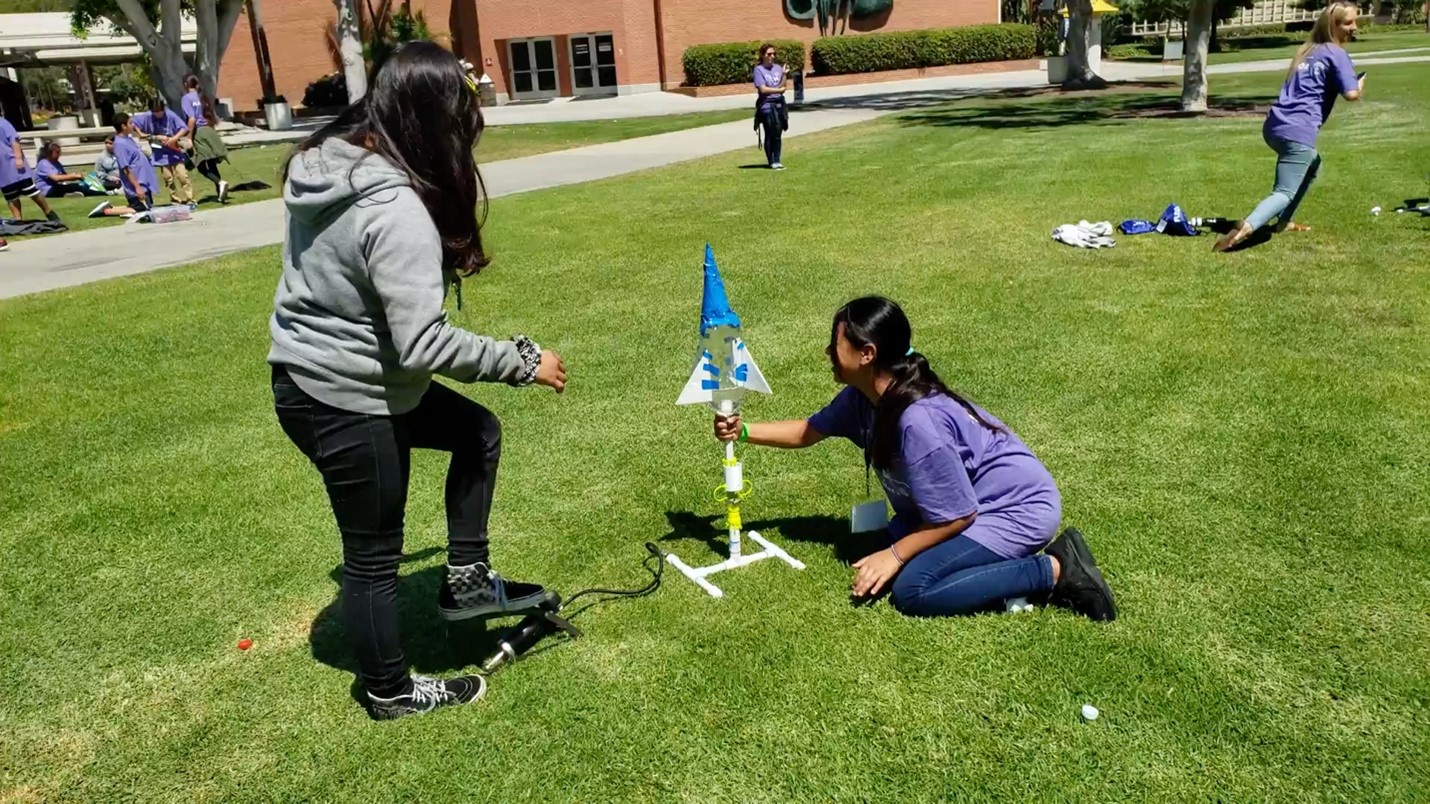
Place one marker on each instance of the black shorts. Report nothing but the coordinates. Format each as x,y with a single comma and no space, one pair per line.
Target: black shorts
23,187
135,204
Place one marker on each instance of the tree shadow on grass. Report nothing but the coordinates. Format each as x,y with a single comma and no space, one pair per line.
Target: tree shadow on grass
920,99
430,644
1082,110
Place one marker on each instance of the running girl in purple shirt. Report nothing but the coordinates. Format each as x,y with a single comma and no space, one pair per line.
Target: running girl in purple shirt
973,507
1320,71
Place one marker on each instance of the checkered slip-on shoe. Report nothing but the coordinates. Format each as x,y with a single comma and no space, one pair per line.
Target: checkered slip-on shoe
476,591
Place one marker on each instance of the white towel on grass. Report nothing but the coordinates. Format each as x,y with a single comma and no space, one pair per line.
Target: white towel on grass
1085,235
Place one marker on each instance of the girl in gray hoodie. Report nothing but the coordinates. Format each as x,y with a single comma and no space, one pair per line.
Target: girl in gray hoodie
383,210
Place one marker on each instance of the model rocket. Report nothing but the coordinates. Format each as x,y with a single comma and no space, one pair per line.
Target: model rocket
724,370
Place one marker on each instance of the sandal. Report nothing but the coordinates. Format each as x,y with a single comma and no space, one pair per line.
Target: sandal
1233,238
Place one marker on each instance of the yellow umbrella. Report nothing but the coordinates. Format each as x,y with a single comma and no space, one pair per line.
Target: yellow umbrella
1098,7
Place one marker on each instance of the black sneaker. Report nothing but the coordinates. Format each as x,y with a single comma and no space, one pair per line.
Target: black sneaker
1080,585
428,694
476,591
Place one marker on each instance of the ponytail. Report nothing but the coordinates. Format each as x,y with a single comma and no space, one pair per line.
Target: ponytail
877,321
914,379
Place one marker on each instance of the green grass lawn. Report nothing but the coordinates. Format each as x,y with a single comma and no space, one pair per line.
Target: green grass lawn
262,164
1260,48
1245,439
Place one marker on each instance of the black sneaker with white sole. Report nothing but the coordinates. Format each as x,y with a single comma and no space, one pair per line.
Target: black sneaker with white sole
1080,585
428,694
98,211
477,591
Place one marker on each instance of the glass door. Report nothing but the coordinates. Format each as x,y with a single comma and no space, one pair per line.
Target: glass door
533,68
593,64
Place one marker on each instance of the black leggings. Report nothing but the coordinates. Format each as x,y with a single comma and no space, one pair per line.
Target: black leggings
209,170
364,461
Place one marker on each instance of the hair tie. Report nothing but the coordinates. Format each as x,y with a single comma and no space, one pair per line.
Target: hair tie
910,352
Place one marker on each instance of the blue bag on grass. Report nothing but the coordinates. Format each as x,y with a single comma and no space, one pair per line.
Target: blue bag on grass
1174,222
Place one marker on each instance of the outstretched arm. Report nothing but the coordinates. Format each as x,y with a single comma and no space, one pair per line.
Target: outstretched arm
792,434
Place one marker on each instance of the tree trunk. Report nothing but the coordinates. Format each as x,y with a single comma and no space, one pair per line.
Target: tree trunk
1080,21
167,67
260,51
1194,57
350,49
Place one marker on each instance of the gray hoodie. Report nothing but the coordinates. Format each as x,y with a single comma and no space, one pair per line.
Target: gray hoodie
358,319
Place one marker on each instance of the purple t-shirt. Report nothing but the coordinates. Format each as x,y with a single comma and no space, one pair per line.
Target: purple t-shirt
194,107
131,157
949,466
166,125
8,137
768,77
1310,93
44,169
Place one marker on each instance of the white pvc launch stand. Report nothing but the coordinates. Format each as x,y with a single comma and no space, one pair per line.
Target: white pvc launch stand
734,491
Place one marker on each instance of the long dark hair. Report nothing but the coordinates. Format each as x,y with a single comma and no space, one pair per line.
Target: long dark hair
877,321
422,116
192,84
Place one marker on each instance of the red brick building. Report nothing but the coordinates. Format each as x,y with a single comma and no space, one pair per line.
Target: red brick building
550,48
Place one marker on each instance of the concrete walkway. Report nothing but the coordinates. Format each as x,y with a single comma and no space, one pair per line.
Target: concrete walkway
37,264
58,261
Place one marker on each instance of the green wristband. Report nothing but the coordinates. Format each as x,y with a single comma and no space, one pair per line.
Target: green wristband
744,433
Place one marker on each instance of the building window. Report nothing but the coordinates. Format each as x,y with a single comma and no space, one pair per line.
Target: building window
593,64
533,67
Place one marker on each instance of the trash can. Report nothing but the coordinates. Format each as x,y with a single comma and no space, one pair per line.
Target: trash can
798,86
279,115
63,123
486,90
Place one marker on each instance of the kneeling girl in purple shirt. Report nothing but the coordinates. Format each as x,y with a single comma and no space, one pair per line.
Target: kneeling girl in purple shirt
973,507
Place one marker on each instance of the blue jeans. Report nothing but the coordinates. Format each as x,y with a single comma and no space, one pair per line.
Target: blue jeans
1296,168
770,122
961,576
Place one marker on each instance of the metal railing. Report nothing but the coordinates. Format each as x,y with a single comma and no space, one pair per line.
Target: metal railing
1265,12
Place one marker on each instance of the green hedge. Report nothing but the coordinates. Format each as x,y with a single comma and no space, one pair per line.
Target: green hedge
929,48
734,62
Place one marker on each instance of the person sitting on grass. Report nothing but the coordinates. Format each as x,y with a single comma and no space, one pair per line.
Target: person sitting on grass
52,178
1320,71
106,167
136,172
16,180
972,505
168,133
384,207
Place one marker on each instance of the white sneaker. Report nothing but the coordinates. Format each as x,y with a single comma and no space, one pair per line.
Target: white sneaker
98,212
777,166
223,192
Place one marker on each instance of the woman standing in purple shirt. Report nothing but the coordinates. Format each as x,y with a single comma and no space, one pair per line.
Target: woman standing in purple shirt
771,81
1320,71
972,505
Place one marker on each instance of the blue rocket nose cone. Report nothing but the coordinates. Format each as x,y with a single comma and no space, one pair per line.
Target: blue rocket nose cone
715,308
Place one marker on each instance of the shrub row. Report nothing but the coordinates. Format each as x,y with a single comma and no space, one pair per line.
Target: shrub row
734,62
928,48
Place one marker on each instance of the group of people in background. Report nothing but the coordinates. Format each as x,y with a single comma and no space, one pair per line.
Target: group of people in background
176,141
